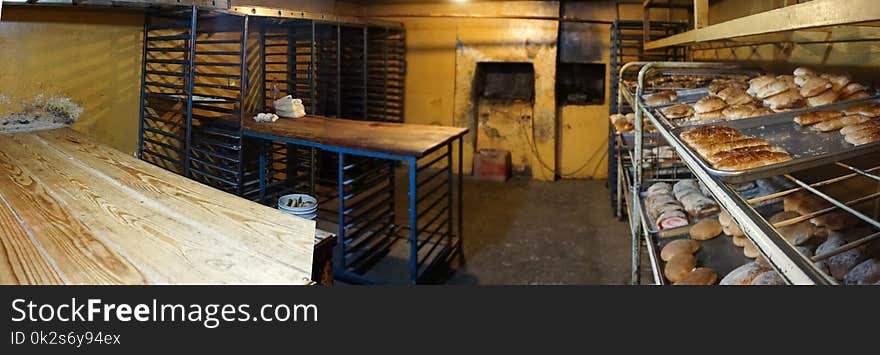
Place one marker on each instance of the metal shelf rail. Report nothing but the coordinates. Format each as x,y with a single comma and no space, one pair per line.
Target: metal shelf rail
794,267
206,70
627,45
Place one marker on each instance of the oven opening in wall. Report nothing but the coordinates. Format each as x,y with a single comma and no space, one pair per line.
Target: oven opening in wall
580,84
506,81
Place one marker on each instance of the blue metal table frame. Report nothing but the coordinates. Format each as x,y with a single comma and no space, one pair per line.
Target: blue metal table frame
453,243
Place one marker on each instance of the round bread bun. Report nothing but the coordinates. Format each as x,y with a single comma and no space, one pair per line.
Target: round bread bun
750,250
740,241
679,267
743,275
681,246
701,276
706,229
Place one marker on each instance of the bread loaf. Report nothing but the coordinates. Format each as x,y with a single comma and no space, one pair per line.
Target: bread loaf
858,95
870,109
865,273
750,250
708,132
734,95
743,275
740,241
788,99
838,81
772,88
853,128
715,158
851,88
706,229
709,104
830,125
679,267
752,160
700,276
708,149
804,71
863,137
840,264
795,234
679,246
825,98
678,111
657,99
814,86
814,117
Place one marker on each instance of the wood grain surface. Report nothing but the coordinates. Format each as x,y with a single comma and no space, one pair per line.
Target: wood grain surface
382,137
103,217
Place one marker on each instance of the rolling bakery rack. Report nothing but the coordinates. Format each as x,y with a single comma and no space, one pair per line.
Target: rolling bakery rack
806,174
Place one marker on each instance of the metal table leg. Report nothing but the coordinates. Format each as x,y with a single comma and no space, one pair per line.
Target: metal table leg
339,259
413,223
262,174
460,200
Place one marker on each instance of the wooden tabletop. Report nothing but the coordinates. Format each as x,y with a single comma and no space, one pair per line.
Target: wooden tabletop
76,212
404,139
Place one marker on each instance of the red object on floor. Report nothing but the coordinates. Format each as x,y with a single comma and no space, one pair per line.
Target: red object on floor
492,164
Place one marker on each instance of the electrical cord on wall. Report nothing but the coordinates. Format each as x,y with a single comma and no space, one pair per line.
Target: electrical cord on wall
534,148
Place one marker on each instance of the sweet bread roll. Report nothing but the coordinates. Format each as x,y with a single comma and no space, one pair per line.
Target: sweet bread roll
799,80
750,250
768,278
788,80
680,246
752,160
679,267
795,234
743,275
788,99
809,118
793,202
678,111
709,104
870,109
706,229
855,119
815,86
740,241
829,126
865,273
759,82
826,98
734,231
701,276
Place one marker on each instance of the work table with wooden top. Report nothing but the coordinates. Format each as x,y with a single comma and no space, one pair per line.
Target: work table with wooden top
73,211
399,139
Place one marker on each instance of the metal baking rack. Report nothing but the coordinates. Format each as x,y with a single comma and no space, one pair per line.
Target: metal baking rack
793,266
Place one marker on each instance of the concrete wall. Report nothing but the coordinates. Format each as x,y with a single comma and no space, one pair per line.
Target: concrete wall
91,56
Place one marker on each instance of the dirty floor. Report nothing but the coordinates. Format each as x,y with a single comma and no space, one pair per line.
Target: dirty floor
525,232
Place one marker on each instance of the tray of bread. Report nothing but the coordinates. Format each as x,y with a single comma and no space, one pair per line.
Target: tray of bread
764,95
743,150
673,208
814,236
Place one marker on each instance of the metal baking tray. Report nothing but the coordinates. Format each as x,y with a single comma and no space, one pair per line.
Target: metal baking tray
719,253
807,147
686,124
761,187
687,96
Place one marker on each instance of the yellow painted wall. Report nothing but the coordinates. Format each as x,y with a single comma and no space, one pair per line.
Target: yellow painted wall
91,56
442,54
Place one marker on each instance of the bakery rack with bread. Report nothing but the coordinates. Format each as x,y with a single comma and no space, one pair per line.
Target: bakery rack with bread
823,229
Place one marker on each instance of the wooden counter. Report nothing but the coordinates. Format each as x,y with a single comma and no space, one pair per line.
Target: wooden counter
409,140
76,212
